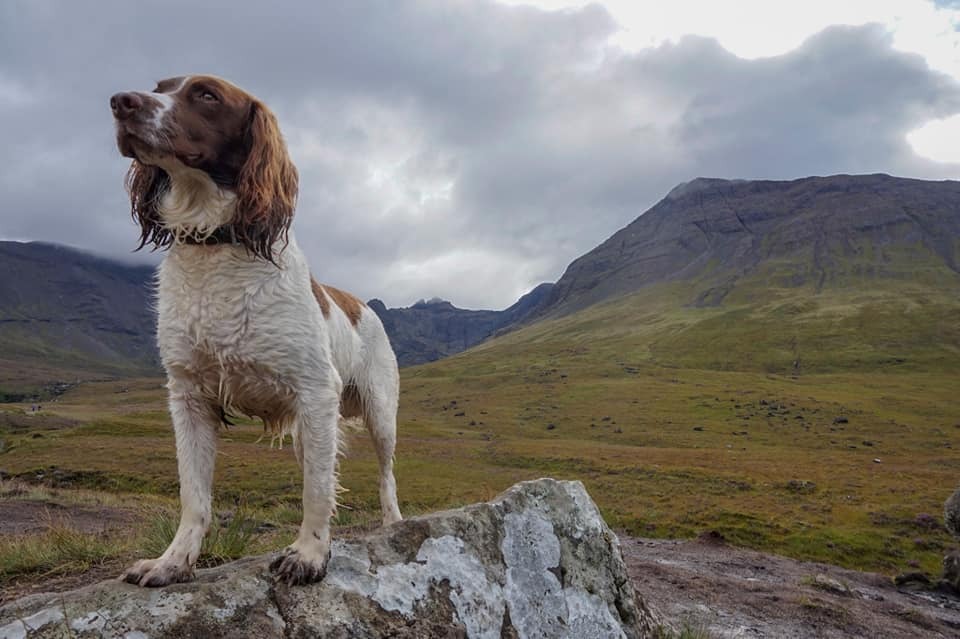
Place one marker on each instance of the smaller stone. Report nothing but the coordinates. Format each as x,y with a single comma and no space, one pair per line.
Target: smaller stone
912,581
951,570
951,513
829,584
801,486
712,537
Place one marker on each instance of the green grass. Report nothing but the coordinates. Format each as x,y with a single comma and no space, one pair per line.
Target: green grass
58,550
658,476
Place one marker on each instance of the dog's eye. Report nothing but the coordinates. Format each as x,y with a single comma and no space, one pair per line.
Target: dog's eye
207,96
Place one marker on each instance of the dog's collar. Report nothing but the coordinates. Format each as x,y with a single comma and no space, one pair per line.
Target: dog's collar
225,234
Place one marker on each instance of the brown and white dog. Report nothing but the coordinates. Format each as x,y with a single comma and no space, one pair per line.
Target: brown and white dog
243,327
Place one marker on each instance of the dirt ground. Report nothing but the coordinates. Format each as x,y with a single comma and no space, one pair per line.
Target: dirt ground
730,592
18,517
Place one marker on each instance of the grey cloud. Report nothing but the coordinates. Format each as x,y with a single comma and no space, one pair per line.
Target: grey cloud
466,150
617,139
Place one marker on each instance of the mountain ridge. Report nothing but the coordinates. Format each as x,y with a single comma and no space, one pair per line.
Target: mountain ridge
785,213
718,241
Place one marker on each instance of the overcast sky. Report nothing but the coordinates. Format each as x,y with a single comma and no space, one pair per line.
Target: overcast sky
471,149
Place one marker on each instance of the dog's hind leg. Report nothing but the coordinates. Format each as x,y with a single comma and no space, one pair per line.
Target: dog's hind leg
379,398
315,439
195,423
381,421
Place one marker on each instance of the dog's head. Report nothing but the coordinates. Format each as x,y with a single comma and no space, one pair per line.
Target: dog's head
203,130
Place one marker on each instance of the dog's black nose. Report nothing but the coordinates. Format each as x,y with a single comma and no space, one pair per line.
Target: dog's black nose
125,105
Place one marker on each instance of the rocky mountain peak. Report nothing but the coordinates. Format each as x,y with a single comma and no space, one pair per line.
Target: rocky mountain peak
818,228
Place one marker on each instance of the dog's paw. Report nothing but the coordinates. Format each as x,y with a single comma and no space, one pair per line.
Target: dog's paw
153,573
294,568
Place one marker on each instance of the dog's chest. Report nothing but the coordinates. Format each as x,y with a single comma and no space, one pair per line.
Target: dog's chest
231,310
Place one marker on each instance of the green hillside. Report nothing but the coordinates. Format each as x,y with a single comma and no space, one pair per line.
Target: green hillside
854,323
809,410
67,315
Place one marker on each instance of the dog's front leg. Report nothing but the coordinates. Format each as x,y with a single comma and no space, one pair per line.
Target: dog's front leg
305,560
195,425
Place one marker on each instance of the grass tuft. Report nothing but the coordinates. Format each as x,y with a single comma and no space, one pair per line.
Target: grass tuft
58,550
226,541
158,533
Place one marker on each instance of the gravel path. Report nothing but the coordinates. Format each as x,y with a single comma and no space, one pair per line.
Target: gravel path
731,592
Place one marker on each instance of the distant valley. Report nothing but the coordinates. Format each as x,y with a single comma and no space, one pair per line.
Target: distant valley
433,329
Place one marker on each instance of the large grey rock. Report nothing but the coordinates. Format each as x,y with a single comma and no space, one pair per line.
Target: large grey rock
537,561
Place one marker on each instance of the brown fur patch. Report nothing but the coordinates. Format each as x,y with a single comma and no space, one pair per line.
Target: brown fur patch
351,306
266,187
321,297
234,138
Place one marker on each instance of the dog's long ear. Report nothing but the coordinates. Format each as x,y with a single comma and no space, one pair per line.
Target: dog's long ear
266,187
146,185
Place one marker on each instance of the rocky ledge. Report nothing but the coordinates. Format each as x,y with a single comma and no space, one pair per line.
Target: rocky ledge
537,561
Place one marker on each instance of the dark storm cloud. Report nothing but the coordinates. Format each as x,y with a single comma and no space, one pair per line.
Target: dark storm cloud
460,149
